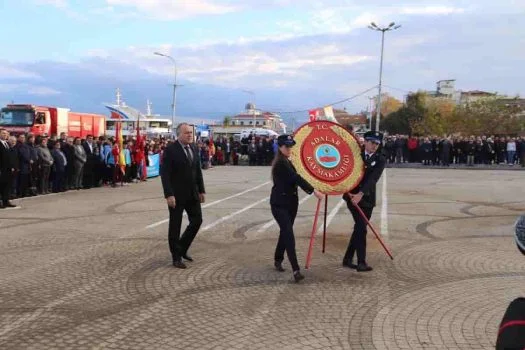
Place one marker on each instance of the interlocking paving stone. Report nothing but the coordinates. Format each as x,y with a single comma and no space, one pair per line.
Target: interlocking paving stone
81,271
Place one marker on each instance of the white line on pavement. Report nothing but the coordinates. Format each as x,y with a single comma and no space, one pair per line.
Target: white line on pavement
227,217
330,217
213,203
273,222
384,207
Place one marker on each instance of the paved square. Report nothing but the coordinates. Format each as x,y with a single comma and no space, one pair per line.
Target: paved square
92,270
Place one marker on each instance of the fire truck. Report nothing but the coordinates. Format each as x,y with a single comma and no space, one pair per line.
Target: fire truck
47,121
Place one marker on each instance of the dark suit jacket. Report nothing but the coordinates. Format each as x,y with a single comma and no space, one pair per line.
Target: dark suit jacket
180,178
59,164
24,157
285,183
89,153
373,169
13,158
5,163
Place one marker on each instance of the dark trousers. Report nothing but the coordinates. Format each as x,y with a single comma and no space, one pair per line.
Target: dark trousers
358,240
88,180
23,185
58,181
5,188
44,179
285,217
179,245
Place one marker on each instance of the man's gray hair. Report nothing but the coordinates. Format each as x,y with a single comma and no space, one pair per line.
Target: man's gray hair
179,127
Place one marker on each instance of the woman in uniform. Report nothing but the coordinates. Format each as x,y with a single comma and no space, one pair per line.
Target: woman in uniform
285,202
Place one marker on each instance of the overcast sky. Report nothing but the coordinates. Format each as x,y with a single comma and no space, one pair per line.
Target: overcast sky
293,54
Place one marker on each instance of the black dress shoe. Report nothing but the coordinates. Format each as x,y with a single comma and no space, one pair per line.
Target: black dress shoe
187,257
363,267
279,266
179,264
297,276
349,265
10,205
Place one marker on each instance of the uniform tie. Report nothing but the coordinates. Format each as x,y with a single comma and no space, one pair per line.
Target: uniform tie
189,154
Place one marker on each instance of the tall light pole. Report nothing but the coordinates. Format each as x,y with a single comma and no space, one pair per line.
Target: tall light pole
373,26
370,108
173,105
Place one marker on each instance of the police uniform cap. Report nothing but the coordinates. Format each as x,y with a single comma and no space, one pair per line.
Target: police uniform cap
285,140
374,136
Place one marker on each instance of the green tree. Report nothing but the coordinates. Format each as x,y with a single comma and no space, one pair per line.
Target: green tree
226,121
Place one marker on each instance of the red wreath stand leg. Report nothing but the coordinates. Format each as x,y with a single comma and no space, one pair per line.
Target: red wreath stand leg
314,229
312,237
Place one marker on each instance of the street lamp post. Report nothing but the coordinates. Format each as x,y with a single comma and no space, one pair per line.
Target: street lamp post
373,26
173,105
369,108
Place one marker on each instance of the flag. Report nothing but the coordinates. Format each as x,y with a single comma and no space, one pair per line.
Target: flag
121,160
313,114
329,114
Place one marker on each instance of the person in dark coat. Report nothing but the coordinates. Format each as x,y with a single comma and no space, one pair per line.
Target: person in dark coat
284,202
446,148
68,148
364,195
24,163
59,168
426,151
6,170
15,167
183,186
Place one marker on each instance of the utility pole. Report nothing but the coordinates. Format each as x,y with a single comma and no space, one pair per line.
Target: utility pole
175,85
373,26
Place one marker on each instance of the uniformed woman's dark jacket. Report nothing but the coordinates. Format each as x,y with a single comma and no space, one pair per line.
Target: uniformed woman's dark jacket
374,167
285,183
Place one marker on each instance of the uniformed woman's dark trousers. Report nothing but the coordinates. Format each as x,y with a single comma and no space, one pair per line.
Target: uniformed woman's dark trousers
358,240
285,217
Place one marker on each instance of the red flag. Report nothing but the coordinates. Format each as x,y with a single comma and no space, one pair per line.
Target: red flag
313,114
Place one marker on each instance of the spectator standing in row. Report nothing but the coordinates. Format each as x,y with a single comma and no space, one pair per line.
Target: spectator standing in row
80,160
511,151
24,163
59,168
45,161
89,166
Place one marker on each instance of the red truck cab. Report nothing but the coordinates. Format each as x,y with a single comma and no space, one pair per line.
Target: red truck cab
39,120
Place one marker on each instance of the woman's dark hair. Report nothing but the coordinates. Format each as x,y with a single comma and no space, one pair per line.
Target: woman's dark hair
278,157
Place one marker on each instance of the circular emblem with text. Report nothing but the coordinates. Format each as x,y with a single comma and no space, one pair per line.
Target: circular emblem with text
328,157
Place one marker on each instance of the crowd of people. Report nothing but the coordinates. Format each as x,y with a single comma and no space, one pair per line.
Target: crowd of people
40,165
468,150
34,165
429,150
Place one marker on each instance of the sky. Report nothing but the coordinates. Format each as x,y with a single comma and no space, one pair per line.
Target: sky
284,55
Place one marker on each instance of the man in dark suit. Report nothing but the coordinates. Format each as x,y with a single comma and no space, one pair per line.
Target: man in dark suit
364,195
183,186
89,147
6,170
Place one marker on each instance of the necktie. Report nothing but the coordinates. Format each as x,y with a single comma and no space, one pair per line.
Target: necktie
188,153
367,156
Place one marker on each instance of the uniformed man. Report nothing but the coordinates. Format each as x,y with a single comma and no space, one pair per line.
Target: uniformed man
285,202
364,195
